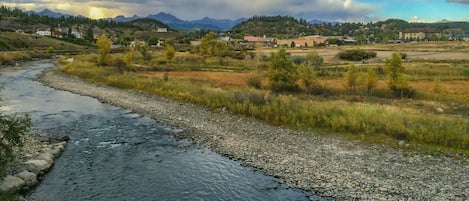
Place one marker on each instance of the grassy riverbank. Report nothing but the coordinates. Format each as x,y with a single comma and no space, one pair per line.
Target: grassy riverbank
369,120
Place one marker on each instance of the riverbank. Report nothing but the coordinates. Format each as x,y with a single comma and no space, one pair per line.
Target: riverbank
324,165
32,162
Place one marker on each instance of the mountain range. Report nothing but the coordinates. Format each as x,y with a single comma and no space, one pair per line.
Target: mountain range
171,20
174,22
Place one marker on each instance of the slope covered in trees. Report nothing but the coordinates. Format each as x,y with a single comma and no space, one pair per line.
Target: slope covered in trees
275,26
29,22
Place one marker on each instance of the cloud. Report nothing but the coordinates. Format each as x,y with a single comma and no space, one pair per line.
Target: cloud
345,10
459,1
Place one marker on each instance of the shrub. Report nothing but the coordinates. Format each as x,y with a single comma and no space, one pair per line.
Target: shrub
356,55
315,60
403,55
120,64
351,78
298,59
282,73
255,82
12,129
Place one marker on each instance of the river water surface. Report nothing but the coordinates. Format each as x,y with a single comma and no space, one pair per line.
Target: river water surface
114,154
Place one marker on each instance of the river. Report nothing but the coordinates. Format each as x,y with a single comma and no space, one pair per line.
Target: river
115,154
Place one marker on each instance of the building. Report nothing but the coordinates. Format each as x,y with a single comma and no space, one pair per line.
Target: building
419,34
225,39
43,32
260,41
76,34
162,30
305,41
453,37
57,34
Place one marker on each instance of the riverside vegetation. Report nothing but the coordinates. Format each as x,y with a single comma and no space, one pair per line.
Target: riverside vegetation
378,102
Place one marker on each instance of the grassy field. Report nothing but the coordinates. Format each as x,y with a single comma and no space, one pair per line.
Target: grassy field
440,83
11,41
17,47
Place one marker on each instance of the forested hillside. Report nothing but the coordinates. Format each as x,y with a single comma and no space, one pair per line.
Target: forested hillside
273,26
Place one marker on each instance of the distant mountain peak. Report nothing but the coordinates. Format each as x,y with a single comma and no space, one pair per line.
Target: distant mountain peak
176,23
50,13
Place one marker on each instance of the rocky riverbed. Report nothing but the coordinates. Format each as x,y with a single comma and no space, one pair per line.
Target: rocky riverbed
33,160
327,166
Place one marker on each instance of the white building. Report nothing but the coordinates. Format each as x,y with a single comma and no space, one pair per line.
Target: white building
43,33
76,34
162,30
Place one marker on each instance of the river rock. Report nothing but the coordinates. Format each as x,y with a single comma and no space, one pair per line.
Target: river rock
11,184
401,143
48,156
28,177
61,146
440,110
55,152
37,166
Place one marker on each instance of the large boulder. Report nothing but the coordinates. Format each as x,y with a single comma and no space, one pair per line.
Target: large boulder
11,184
38,166
28,177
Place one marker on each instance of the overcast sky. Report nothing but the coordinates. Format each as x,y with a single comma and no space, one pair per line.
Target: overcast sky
331,10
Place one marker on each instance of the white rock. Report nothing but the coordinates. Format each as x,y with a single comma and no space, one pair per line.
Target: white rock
401,143
47,157
54,152
60,147
11,184
28,177
37,166
440,110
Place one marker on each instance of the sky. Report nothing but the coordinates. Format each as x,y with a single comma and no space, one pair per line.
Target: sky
329,10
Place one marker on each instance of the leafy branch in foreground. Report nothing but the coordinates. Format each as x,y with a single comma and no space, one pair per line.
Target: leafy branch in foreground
12,130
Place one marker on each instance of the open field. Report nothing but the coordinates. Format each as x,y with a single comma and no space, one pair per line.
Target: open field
436,117
424,50
12,41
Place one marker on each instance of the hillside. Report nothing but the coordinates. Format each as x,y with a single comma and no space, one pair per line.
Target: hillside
15,20
274,26
11,41
148,24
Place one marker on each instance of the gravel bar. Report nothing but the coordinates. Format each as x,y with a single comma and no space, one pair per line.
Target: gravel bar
327,166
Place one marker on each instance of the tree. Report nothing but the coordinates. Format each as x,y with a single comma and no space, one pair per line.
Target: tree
12,130
145,51
351,78
169,42
371,81
307,80
153,41
210,46
315,60
170,53
89,34
282,72
395,70
104,45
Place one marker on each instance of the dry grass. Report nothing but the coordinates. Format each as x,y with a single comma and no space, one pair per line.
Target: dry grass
226,79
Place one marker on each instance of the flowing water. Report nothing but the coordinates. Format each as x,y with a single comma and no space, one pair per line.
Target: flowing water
114,154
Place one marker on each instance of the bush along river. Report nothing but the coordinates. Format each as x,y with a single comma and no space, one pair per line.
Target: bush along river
115,154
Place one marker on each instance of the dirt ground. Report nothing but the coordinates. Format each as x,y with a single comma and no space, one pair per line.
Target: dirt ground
429,50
